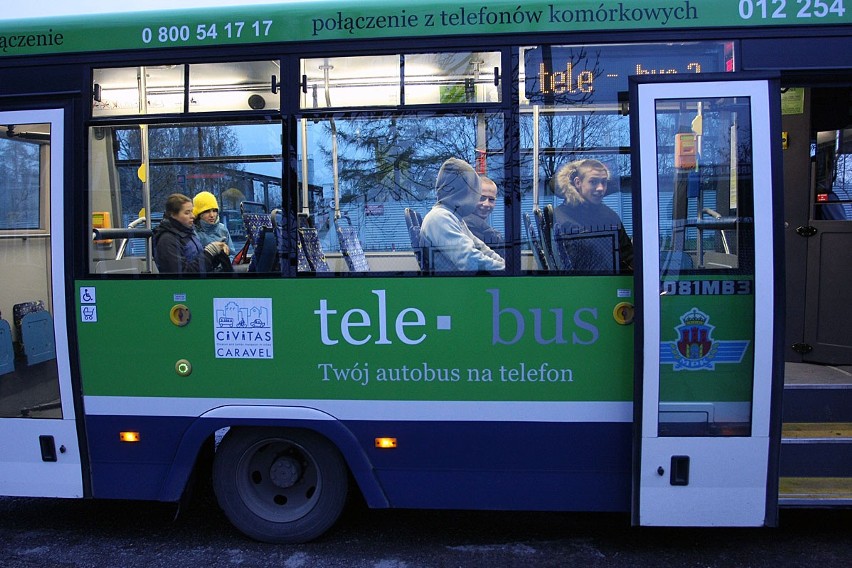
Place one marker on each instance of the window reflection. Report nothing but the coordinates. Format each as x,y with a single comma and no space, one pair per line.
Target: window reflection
367,171
570,112
234,162
706,208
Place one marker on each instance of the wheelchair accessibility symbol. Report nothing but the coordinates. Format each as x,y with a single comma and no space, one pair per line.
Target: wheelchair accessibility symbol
87,295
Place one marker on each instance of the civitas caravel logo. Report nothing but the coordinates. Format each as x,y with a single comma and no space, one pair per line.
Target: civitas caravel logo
695,348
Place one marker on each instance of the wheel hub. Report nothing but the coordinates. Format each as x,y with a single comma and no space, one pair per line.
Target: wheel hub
285,472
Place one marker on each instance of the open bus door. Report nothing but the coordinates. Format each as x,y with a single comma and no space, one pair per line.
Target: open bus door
707,419
38,430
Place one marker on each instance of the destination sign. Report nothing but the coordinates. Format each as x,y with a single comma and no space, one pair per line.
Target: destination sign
596,73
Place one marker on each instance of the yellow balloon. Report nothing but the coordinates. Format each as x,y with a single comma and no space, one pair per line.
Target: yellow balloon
142,173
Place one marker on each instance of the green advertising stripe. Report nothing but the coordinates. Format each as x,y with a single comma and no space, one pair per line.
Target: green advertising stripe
311,21
464,339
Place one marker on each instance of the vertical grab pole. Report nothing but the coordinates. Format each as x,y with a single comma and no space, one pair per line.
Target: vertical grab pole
326,68
143,173
536,147
304,209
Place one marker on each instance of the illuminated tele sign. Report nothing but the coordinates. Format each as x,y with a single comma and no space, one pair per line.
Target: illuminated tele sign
596,73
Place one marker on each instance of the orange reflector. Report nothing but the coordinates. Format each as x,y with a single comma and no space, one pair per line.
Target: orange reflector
385,442
129,436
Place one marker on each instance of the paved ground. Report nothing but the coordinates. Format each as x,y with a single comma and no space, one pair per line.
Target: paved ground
60,533
807,374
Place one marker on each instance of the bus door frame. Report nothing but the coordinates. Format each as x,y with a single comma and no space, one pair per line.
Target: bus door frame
41,456
708,480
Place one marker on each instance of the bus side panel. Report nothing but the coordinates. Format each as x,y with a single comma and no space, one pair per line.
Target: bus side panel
503,465
137,470
437,465
159,465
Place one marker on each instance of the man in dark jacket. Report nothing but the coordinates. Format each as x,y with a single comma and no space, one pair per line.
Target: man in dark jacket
176,246
477,221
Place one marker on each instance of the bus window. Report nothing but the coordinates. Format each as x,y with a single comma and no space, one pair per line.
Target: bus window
29,379
350,81
133,169
571,112
155,89
392,80
250,85
366,171
706,213
833,163
369,179
162,89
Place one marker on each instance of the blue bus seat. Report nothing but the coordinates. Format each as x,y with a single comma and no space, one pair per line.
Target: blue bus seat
535,245
37,337
588,251
413,220
7,352
350,247
24,308
312,250
255,218
265,251
544,222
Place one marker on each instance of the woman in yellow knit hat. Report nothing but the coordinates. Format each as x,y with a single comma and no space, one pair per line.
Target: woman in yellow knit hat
207,225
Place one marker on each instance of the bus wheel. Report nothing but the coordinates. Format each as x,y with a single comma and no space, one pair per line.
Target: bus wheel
277,485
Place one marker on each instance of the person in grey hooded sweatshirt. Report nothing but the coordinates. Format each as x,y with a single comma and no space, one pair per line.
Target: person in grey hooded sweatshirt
443,231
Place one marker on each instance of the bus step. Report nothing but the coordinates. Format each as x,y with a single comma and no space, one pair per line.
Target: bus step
816,450
815,492
817,403
817,431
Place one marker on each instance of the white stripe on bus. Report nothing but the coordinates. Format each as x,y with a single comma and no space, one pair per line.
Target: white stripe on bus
426,411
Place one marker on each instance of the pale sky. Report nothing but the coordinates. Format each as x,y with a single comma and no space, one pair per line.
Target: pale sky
16,9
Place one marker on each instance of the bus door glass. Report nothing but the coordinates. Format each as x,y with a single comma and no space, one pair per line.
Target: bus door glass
38,432
707,301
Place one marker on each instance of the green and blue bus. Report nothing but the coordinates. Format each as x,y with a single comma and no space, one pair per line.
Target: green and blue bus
670,382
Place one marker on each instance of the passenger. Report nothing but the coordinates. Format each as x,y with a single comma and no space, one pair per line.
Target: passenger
209,229
583,184
176,246
444,232
477,221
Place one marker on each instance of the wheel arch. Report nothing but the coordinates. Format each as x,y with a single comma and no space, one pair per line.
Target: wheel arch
248,416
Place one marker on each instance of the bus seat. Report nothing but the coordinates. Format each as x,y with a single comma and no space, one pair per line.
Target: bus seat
37,337
253,223
544,222
350,246
312,250
7,352
535,245
265,251
255,218
126,265
413,220
24,308
18,313
303,265
588,251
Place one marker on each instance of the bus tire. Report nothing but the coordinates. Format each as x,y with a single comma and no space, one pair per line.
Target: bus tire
279,485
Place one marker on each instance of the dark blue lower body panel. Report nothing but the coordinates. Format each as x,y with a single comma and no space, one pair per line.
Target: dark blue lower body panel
436,465
503,465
